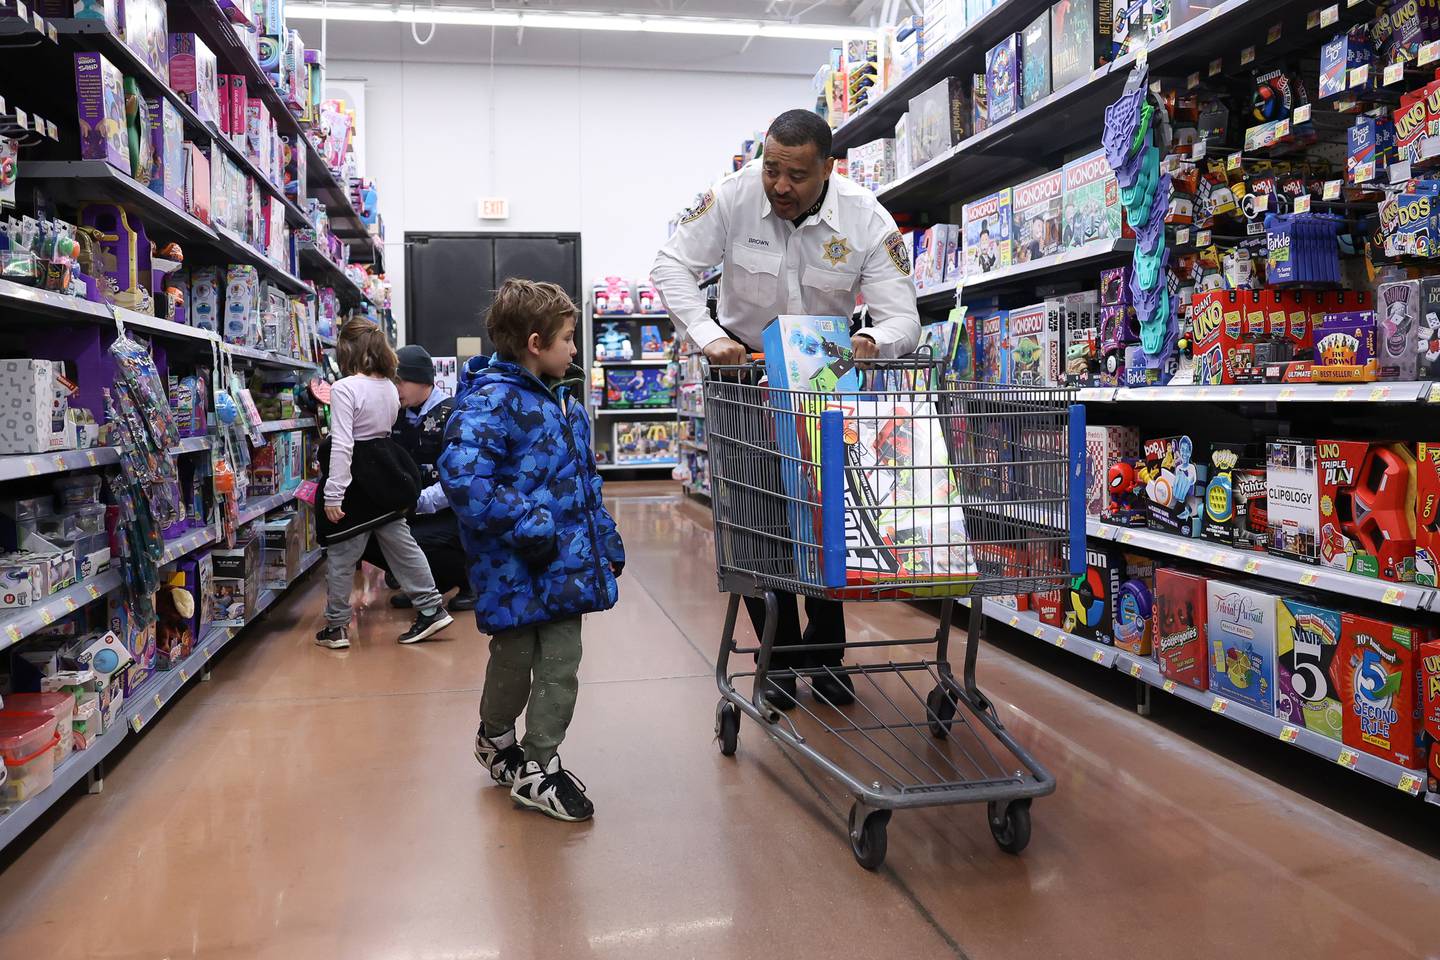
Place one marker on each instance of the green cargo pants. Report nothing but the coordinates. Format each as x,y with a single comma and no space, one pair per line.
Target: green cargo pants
550,654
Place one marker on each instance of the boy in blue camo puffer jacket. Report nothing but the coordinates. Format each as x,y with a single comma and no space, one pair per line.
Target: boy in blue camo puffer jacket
519,472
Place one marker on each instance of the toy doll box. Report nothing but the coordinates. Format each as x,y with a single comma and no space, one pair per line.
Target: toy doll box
1037,212
1367,508
986,223
1103,447
1378,666
1180,636
1241,623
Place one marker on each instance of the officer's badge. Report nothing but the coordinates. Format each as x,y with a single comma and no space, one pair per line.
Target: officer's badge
836,250
702,206
899,254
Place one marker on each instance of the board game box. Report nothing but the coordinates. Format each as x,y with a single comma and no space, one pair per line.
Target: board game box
1306,695
1241,623
1292,486
987,223
937,120
991,356
1035,58
1091,200
1036,209
1180,627
1002,79
1379,686
1090,600
1080,39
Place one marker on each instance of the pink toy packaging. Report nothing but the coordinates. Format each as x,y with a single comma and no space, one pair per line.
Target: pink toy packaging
237,110
647,298
195,74
612,296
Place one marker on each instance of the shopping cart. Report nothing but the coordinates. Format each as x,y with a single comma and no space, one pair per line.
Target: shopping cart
914,487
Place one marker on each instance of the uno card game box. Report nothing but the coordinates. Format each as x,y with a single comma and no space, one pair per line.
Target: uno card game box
1430,709
1292,499
986,223
1345,348
1037,212
1235,497
1378,668
1002,79
1241,623
1180,639
1367,508
1090,600
1427,514
1307,639
1080,39
1035,60
1092,208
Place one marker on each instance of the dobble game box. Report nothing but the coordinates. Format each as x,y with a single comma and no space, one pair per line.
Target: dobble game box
1242,624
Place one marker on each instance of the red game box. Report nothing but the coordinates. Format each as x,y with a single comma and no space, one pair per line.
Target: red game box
1367,508
1427,514
1379,684
1180,607
1430,720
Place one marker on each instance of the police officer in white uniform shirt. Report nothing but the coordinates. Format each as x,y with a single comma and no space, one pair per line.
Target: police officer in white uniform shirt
793,237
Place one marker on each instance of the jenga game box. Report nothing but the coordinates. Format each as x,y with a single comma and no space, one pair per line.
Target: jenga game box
1378,678
1180,608
1427,514
1430,718
1367,508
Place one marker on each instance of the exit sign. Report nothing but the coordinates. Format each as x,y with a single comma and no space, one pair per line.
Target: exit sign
494,208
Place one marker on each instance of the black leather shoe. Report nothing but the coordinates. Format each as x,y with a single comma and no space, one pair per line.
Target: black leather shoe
401,601
838,690
464,600
780,692
390,581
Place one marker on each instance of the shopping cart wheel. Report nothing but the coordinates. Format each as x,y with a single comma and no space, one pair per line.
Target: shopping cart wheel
940,710
1010,824
727,727
867,841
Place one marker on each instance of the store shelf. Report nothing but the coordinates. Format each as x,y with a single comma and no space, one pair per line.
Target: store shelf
1406,596
608,317
16,625
1082,260
938,297
636,412
165,328
26,24
633,363
188,445
255,509
692,445
67,775
691,414
264,356
1390,774
327,342
188,544
91,181
1026,622
1394,392
40,464
665,465
20,298
236,248
277,426
328,273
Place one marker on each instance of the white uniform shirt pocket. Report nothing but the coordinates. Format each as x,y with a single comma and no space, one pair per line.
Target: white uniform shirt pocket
832,290
753,275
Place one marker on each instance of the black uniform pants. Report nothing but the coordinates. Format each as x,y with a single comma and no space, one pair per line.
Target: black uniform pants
438,536
825,623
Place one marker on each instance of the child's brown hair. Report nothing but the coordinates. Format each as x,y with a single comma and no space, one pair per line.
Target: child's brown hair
363,350
525,307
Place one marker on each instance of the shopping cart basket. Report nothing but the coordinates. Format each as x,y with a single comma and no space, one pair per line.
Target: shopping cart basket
914,487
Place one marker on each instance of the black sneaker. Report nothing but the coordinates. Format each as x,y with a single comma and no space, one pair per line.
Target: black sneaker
333,638
401,601
464,600
425,627
836,691
501,755
554,791
780,691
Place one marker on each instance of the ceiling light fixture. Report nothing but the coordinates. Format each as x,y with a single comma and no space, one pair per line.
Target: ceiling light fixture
693,26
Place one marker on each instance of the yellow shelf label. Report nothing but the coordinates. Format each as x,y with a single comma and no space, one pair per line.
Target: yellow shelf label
1348,758
1168,686
1247,56
46,617
1273,34
1014,620
1344,393
1289,733
1393,595
1039,631
1308,579
1330,15
1394,73
1300,114
184,675
1379,393
1409,783
1135,670
159,702
1219,705
1429,52
1332,192
1097,655
1216,66
1060,642
1252,566
136,722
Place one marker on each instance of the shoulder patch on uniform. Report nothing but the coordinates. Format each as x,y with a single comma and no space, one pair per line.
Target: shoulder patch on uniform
899,255
702,206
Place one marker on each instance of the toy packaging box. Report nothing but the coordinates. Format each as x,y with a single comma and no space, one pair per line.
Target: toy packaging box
1367,508
1307,638
1292,499
992,356
1080,39
903,168
35,404
1430,710
637,388
1180,638
1036,211
1034,347
1345,348
1174,486
1090,599
195,74
1427,514
1241,623
100,97
167,141
937,120
1134,606
1235,497
645,442
1378,667
1397,307
872,165
1092,209
1427,361
1078,318
1035,60
986,223
1105,446
1003,71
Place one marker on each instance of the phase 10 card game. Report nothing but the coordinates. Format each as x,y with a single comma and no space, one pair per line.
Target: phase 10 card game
986,223
1036,208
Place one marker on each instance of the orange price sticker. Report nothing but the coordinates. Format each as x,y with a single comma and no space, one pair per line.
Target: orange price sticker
1289,733
1348,758
1219,705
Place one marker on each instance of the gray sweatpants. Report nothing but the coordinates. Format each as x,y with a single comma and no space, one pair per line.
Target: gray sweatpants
406,561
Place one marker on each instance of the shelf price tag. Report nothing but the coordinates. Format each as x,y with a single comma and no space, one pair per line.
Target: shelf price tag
1097,656
1285,393
1282,130
1365,172
1014,620
1359,76
1039,631
1429,52
1126,537
1134,669
1300,114
1344,393
136,722
1273,35
1182,236
1168,686
1308,579
1289,733
31,468
1409,783
1217,559
1217,65
1379,394
1312,19
159,701
1330,15
70,605
1202,239
1394,73
1348,758
1247,56
1192,81
1235,161
1252,566
1262,202
205,651
46,617
1060,641
184,675
13,632
1219,705
1332,190
1393,596
94,592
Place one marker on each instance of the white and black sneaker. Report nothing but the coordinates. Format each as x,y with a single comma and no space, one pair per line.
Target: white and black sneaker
501,755
333,638
554,791
427,625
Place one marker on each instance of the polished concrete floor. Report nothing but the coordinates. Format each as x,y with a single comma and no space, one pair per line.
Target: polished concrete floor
316,804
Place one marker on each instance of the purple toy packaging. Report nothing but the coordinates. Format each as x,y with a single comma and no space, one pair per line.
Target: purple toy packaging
1345,348
1002,79
100,96
167,140
195,74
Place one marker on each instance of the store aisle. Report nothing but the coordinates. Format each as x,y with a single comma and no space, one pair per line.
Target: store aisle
314,804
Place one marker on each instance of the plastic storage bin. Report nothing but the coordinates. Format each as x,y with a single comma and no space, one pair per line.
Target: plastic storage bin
27,744
61,706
